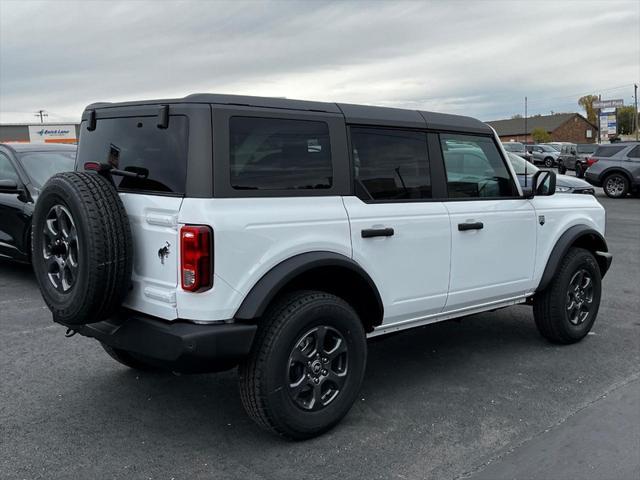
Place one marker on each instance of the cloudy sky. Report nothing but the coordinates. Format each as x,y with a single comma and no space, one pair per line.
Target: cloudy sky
478,58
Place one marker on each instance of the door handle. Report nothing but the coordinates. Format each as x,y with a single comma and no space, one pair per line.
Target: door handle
377,232
470,226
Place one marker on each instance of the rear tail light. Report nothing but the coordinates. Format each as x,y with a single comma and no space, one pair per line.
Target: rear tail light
591,161
196,248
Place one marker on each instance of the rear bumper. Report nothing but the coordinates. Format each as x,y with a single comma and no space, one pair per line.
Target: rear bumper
178,345
593,179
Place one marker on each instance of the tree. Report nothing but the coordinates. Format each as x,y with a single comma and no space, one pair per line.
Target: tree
517,115
625,119
586,102
540,135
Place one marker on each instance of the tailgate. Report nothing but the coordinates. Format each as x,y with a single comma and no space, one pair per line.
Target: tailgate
154,227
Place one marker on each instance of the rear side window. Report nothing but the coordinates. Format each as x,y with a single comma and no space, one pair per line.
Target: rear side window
475,168
586,148
279,154
391,164
136,144
607,151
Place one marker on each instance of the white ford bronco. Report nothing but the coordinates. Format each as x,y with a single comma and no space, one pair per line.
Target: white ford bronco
214,231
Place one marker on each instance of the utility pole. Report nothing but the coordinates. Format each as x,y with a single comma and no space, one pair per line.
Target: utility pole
635,99
41,114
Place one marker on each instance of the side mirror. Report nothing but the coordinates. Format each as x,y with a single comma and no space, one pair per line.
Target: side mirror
9,186
544,183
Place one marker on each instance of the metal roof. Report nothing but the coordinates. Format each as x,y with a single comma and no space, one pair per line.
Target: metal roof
360,114
515,126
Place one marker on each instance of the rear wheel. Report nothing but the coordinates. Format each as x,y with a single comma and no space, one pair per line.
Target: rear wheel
565,311
615,185
306,366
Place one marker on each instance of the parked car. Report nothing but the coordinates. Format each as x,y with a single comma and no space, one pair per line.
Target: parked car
544,154
574,157
615,168
518,149
24,168
564,183
284,237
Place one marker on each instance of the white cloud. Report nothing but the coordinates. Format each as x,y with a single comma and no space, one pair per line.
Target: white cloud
477,58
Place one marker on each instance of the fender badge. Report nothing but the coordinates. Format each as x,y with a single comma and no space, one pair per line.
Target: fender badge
541,219
164,252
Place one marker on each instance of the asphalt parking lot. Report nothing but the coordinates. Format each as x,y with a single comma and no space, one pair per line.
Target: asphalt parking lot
485,397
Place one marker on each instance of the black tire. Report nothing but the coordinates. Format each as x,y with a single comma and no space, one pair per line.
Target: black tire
615,185
81,247
130,359
579,170
562,169
555,321
548,162
265,377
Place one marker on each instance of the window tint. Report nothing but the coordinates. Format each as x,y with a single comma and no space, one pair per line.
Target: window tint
7,172
391,164
279,154
474,167
607,151
137,144
586,148
635,152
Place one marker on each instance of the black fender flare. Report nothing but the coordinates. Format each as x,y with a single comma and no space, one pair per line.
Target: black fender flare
586,237
261,294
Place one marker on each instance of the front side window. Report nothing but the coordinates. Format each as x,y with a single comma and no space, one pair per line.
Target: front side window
279,154
7,172
635,152
475,168
391,164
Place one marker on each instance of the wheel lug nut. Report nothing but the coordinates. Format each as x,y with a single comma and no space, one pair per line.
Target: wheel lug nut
325,360
324,372
315,380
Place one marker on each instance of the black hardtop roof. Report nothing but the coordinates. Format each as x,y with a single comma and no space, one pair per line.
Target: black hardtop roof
360,114
39,147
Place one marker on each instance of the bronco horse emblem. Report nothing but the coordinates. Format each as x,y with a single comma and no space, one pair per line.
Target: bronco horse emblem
164,252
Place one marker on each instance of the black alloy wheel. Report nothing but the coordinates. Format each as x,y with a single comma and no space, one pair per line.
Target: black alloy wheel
317,368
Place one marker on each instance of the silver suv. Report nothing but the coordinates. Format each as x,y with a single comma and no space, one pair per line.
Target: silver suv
615,168
544,154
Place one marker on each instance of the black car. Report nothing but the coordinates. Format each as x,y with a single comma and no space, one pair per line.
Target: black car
24,168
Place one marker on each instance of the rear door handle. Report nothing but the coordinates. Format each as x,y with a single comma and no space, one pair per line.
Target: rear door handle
470,226
377,232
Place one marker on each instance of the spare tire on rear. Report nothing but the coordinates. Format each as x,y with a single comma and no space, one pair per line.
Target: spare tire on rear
81,247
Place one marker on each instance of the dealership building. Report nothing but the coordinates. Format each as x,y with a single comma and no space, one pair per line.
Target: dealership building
39,132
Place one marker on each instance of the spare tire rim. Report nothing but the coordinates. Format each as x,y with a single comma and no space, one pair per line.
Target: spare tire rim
317,368
615,186
579,297
60,248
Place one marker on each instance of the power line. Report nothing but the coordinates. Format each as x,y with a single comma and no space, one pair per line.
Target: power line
41,114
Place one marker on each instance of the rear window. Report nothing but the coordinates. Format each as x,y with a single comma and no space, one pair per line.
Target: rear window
136,144
607,151
586,148
513,147
279,154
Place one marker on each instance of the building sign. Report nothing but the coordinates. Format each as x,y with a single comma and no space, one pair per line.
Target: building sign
618,102
608,125
52,134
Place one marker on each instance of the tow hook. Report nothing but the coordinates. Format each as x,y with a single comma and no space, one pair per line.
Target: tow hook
70,333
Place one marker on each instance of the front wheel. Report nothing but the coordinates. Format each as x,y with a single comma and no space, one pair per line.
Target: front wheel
562,169
565,311
306,365
615,185
579,170
548,162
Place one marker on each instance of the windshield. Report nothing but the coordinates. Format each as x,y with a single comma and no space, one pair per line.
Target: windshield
513,147
42,165
549,148
518,164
